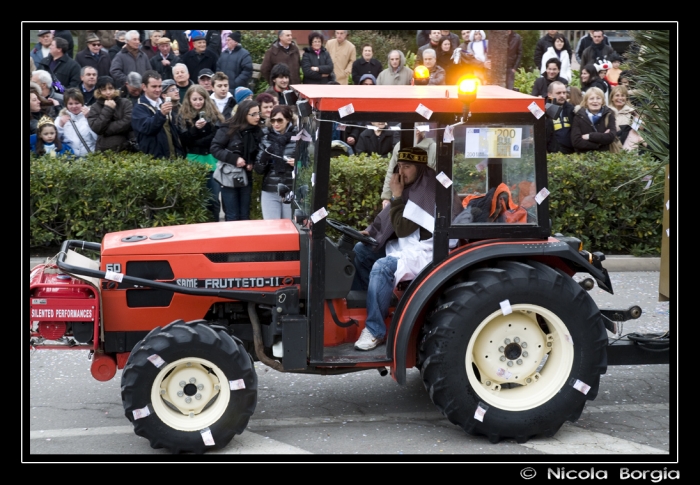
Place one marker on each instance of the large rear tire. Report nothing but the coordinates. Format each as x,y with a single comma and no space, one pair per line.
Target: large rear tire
189,387
517,375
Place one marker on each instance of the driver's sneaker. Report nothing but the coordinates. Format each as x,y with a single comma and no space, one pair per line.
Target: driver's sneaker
367,341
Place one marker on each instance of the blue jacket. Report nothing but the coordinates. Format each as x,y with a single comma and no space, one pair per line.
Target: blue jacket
65,147
36,54
237,65
148,124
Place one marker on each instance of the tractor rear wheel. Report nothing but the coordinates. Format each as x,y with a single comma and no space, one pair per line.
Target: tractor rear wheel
189,387
517,374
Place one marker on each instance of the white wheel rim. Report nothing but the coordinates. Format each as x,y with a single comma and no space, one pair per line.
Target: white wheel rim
199,403
502,336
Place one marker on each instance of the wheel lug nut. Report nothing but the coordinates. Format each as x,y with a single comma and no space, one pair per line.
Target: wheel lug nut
198,396
506,341
188,399
488,383
528,380
217,387
200,386
503,358
519,361
510,363
192,380
501,349
549,344
182,383
180,393
162,391
516,340
525,354
524,345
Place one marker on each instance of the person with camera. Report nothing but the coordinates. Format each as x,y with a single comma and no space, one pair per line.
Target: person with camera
558,127
275,161
152,120
235,147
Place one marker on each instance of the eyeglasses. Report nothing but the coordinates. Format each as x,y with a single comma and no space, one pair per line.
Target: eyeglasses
254,115
96,44
276,120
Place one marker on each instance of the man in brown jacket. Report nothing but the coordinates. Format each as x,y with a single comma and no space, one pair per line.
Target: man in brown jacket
343,53
284,50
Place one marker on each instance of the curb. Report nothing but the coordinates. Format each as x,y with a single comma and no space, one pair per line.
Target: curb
614,264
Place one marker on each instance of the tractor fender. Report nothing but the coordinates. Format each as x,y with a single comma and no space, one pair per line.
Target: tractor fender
416,301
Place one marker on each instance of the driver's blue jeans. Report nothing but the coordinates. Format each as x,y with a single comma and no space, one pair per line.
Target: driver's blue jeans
374,272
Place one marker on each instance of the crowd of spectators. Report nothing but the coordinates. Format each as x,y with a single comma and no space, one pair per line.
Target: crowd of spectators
178,93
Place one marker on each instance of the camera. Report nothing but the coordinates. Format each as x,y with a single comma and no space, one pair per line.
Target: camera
552,110
167,99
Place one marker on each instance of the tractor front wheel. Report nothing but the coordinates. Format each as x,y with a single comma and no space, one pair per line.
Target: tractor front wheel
189,387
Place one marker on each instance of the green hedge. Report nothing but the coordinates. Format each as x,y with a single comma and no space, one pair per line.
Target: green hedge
85,198
601,198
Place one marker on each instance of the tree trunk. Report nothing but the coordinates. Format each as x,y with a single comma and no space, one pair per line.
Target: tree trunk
80,34
498,55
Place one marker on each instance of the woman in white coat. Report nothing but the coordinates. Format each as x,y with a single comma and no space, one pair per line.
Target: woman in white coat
557,50
72,124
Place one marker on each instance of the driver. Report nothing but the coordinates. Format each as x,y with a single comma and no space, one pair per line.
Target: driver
404,232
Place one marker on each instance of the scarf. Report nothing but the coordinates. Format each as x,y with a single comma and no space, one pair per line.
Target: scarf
420,195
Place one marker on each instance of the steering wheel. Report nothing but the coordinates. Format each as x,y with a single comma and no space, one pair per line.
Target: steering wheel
351,232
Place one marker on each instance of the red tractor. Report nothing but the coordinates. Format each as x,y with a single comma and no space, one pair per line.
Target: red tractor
508,344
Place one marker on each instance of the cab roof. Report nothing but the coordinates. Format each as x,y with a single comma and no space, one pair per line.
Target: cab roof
401,99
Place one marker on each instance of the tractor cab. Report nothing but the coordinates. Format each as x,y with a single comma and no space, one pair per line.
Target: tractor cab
490,154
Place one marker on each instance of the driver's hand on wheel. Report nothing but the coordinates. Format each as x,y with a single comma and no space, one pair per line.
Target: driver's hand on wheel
364,233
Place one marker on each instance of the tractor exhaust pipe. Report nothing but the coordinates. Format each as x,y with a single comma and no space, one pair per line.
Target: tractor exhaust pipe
257,339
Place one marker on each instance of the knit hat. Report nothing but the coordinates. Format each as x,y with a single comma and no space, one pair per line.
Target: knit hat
368,76
413,155
196,35
235,36
241,93
104,81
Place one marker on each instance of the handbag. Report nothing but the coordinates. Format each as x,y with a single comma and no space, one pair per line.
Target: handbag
80,136
229,176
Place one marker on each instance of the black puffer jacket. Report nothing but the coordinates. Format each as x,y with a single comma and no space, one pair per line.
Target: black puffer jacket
112,125
324,63
194,140
598,140
270,164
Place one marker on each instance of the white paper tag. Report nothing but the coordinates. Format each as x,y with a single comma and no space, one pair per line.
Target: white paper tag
668,202
340,127
505,373
505,307
207,437
371,127
481,166
668,232
302,135
479,413
141,413
423,128
648,184
424,111
448,136
111,275
318,215
156,360
541,195
636,123
581,386
393,127
535,110
236,385
443,179
348,109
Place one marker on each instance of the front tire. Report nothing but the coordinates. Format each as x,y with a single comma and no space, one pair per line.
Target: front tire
189,387
521,374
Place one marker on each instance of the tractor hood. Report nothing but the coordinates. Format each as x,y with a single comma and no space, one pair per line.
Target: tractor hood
214,237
